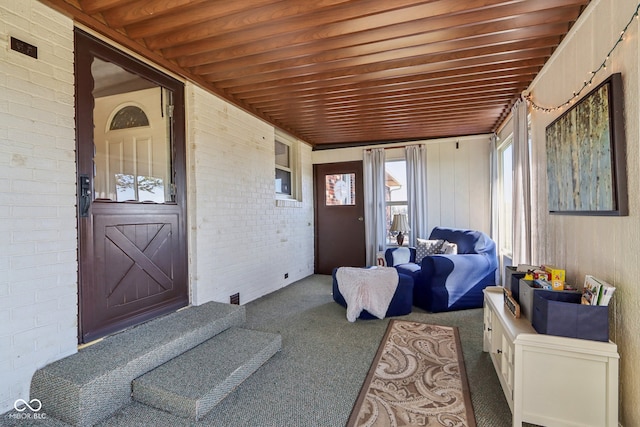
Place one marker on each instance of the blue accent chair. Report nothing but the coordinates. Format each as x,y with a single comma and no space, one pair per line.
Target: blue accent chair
449,282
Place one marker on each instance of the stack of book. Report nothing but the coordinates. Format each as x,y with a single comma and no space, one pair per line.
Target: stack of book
596,291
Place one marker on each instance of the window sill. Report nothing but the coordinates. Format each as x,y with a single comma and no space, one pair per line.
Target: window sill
288,203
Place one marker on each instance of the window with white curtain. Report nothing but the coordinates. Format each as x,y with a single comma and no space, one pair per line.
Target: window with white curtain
505,177
395,195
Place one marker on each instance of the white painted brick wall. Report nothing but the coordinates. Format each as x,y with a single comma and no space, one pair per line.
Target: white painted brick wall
240,240
38,279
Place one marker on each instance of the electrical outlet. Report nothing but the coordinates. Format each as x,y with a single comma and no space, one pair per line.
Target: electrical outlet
286,275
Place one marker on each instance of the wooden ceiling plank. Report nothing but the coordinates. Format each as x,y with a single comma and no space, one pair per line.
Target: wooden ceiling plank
92,7
387,87
209,10
483,124
144,10
385,51
493,95
499,100
336,71
375,129
432,103
428,98
387,38
386,112
403,64
316,39
411,132
382,113
375,98
390,114
354,17
277,17
399,119
302,122
325,39
418,73
423,97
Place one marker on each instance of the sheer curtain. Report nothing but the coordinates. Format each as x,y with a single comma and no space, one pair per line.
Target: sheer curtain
374,203
521,185
416,156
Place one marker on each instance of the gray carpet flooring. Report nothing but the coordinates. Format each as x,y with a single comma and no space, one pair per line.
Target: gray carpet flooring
315,379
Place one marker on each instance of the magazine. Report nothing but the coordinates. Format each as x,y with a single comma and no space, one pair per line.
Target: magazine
590,291
596,291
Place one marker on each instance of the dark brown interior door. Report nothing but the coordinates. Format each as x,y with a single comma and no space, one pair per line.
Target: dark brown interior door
131,187
340,239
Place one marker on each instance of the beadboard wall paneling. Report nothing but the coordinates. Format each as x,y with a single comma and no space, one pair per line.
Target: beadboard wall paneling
606,247
458,178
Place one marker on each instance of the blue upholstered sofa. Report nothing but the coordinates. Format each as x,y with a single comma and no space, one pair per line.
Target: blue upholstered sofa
449,282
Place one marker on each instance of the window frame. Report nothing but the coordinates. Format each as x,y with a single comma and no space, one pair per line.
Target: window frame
390,204
505,216
294,168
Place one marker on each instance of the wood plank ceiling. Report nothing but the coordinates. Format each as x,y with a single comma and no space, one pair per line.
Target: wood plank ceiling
347,72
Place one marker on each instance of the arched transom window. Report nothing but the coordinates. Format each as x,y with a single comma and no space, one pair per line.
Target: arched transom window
129,117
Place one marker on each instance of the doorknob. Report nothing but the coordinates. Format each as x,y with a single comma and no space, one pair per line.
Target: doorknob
85,195
360,218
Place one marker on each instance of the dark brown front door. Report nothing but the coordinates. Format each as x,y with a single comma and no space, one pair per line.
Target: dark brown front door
131,190
339,209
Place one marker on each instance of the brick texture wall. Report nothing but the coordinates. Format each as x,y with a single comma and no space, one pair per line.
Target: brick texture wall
243,240
38,279
240,241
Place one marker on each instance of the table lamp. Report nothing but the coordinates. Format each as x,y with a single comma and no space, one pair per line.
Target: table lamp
400,225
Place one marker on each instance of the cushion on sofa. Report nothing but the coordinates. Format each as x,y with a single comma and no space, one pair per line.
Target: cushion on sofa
401,256
465,239
426,247
449,248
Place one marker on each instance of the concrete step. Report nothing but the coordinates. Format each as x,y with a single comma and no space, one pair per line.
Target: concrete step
92,384
193,383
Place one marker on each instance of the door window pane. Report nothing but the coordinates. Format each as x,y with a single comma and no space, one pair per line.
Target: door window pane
132,137
340,189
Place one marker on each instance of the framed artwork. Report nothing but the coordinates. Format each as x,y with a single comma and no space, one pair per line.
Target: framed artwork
586,167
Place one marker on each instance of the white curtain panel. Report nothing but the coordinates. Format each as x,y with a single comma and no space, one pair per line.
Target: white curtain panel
416,156
374,203
521,185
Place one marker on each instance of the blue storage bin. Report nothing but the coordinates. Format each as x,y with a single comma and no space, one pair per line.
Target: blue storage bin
561,314
512,281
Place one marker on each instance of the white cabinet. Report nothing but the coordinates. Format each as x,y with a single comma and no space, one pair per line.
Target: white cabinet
549,380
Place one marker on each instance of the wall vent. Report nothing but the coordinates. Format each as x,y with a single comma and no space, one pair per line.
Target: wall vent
235,299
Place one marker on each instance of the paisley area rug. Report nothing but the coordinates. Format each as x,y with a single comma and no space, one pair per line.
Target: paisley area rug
417,378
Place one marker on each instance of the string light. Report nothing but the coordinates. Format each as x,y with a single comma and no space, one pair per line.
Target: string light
587,83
